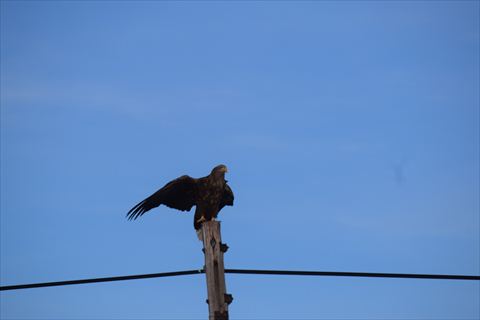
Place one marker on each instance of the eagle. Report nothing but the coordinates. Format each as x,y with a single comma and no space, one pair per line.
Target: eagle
209,194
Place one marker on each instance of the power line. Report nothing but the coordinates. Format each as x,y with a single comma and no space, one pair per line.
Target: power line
245,271
107,279
354,274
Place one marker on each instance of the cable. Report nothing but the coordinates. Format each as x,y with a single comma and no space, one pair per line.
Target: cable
244,271
82,281
354,274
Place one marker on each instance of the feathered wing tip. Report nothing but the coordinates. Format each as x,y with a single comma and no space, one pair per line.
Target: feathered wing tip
136,211
178,194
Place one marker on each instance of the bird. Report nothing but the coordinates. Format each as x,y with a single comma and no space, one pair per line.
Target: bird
209,194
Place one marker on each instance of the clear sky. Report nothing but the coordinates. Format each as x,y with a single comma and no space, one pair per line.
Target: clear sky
350,129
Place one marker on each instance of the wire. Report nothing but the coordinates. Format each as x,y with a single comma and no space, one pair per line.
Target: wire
354,274
82,281
244,271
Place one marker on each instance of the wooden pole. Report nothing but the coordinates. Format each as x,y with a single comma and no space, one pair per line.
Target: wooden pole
218,299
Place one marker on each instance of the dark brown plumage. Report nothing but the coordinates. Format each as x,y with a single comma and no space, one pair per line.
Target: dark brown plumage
209,194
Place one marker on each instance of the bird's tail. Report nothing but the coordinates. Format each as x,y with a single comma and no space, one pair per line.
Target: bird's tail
199,234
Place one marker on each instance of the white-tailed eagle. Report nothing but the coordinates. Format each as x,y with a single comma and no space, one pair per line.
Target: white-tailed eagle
209,194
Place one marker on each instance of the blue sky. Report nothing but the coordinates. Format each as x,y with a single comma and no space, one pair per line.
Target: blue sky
350,129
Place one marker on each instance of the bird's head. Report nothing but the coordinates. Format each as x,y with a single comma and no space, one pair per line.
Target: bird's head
219,171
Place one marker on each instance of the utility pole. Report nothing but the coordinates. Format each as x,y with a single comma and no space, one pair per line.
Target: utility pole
213,248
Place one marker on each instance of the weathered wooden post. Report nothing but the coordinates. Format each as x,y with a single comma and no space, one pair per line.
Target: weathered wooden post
218,299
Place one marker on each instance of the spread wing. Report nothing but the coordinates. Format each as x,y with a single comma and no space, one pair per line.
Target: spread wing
227,199
180,194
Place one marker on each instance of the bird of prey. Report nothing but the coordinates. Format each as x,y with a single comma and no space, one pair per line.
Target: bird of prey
209,194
